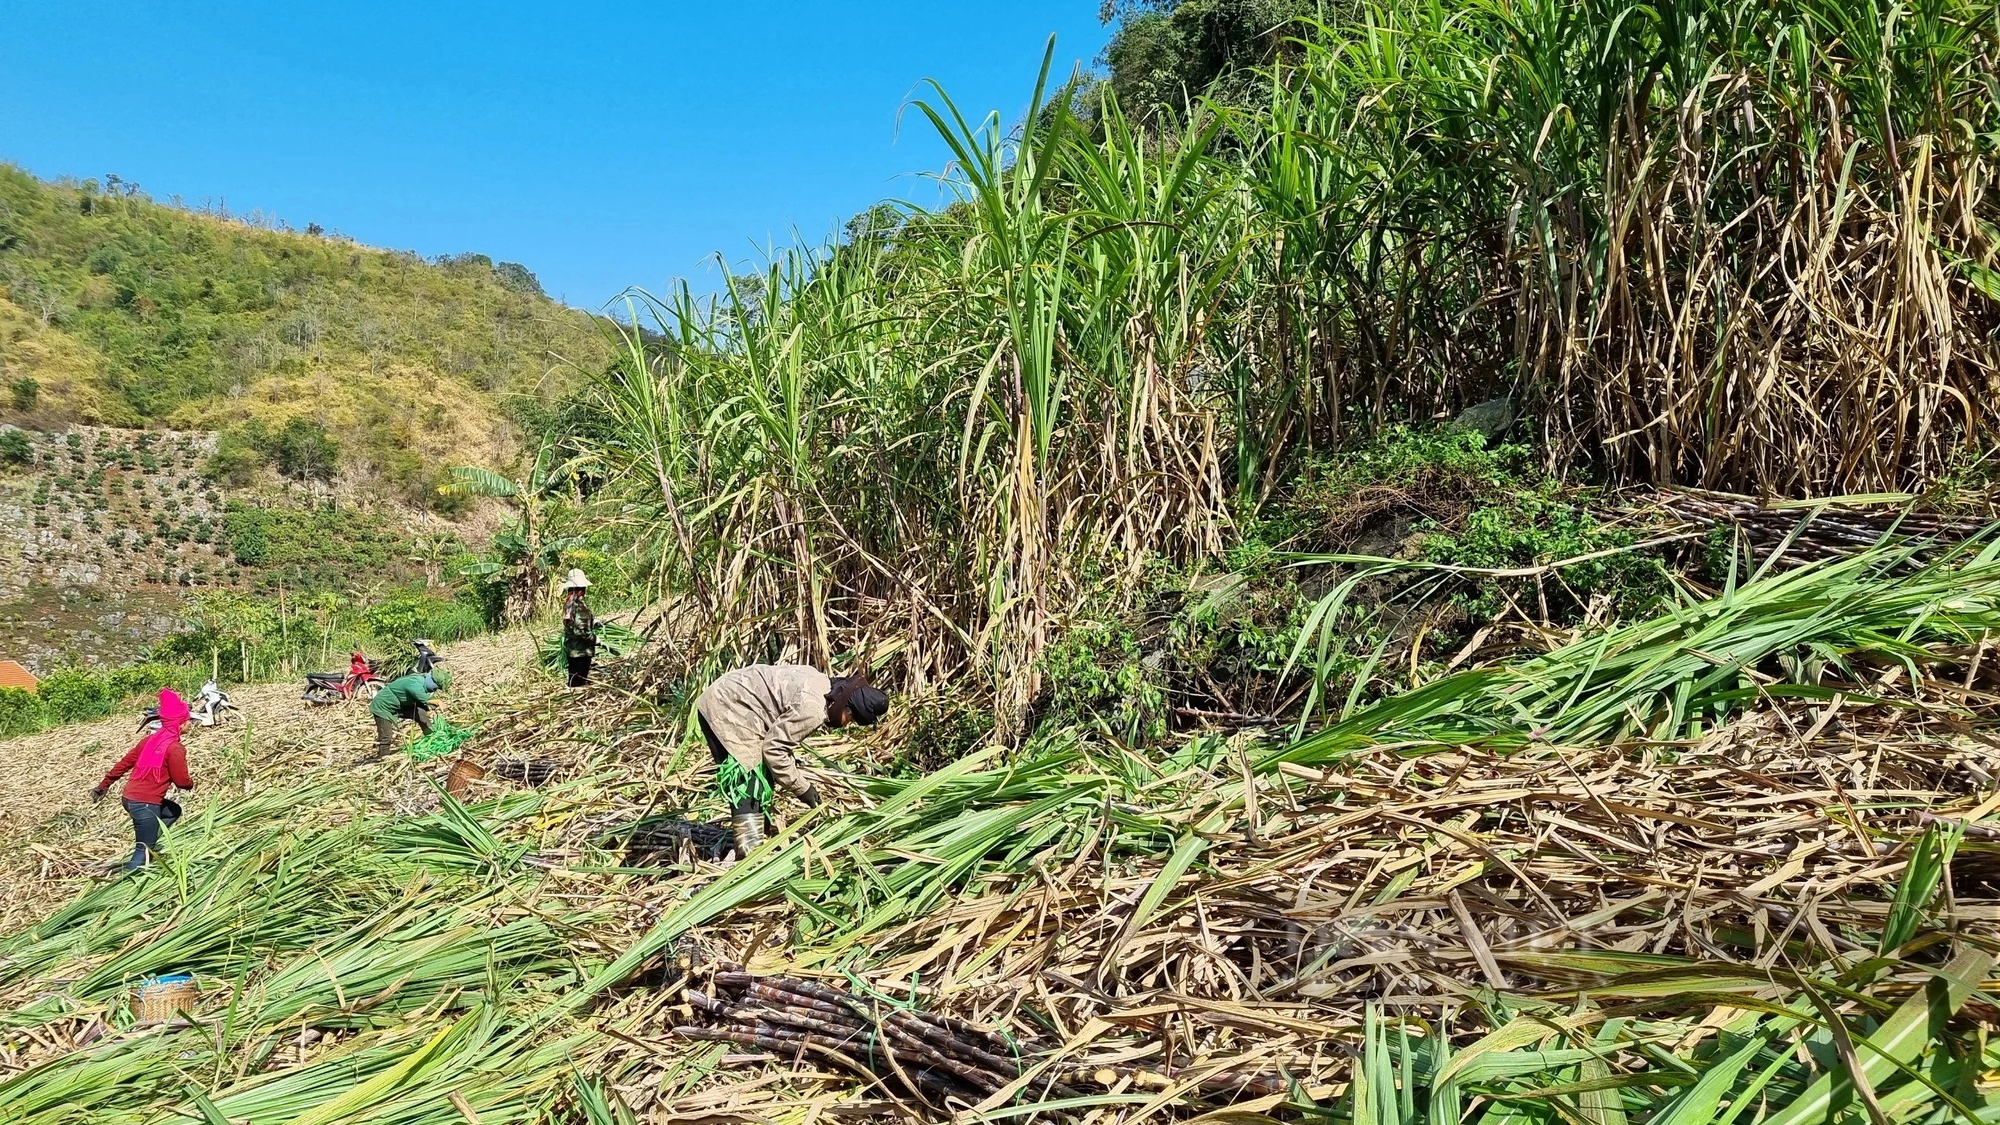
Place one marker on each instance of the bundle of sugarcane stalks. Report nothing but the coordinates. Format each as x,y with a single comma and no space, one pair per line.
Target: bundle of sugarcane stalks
1814,530
937,1058
930,1055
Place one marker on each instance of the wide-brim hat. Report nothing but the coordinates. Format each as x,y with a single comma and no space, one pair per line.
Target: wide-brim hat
576,581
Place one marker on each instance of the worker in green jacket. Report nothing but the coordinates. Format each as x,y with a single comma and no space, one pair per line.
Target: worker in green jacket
406,698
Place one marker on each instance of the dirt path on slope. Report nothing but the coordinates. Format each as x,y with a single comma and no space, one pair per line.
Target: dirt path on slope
53,838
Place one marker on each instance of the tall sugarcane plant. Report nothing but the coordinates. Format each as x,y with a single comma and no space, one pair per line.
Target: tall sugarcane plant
1735,244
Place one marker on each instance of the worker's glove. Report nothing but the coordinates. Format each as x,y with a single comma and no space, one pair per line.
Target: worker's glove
96,794
810,797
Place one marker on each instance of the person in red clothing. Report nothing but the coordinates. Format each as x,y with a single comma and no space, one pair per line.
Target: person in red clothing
159,760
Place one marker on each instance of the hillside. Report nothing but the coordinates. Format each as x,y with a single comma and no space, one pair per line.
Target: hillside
118,310
112,539
98,531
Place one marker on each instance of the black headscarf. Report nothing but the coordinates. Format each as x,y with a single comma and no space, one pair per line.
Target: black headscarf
864,704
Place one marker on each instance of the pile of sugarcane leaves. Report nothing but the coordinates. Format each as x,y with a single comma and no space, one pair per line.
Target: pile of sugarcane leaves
1728,864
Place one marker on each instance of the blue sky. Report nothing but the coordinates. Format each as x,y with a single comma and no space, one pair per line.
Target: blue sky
601,145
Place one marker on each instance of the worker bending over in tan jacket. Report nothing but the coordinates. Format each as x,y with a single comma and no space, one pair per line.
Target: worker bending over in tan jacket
754,720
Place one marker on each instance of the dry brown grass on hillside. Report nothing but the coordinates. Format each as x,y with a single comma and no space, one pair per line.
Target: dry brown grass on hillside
68,369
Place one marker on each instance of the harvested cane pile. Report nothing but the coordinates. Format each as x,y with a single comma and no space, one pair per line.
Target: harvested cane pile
929,1055
942,1061
673,840
1815,532
531,772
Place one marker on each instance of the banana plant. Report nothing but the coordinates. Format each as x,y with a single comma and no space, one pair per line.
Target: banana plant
531,549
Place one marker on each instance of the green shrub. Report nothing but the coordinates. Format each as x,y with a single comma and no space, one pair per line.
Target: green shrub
403,617
15,448
25,392
1428,472
303,451
1540,526
79,694
250,544
74,694
484,595
1095,676
21,712
149,678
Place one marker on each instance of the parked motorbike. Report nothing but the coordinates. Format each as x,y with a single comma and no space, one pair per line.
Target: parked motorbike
421,659
359,682
212,706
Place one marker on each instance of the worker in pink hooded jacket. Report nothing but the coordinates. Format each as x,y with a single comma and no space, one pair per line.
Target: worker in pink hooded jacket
159,760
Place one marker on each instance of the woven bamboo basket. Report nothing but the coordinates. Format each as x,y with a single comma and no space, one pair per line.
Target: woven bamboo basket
163,998
464,772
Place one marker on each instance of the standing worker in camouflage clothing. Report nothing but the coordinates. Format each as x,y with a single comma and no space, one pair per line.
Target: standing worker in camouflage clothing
754,720
579,629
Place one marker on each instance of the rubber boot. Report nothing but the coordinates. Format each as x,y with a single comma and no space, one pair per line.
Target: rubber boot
747,820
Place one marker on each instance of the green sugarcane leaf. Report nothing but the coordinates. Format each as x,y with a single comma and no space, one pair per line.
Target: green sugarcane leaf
1898,1042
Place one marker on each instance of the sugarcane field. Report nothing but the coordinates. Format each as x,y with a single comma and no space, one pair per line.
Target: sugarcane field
1379,563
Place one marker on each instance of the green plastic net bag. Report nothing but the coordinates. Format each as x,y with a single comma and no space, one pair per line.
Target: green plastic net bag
738,784
443,739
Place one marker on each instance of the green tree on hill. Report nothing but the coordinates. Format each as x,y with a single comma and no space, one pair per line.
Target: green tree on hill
303,451
1166,53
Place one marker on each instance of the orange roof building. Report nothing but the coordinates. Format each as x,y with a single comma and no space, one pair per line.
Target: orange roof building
13,675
